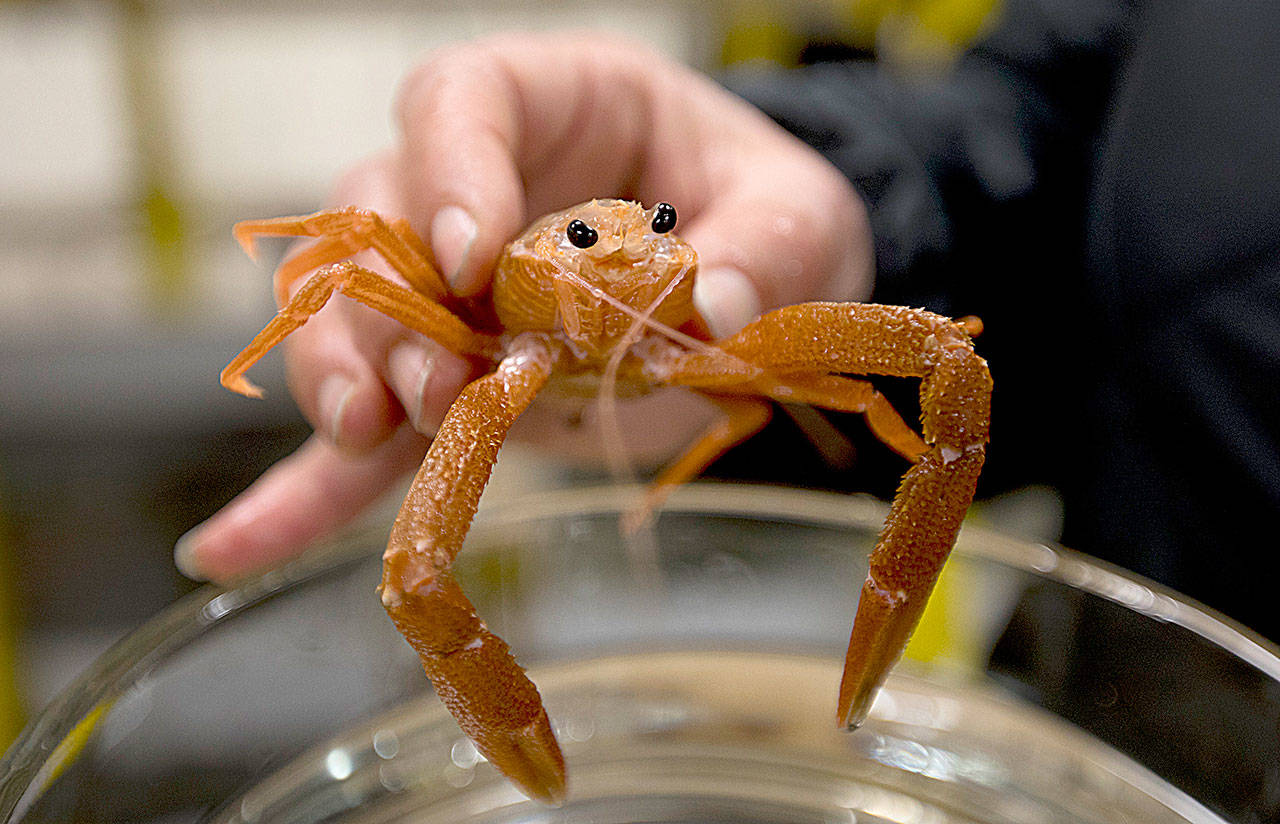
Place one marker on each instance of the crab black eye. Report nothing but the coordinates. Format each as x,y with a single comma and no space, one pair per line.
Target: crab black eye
581,235
664,218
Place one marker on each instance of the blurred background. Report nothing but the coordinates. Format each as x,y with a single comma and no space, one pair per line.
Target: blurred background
134,134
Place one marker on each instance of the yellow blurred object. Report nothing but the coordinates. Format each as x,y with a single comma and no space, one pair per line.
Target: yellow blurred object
968,611
913,35
862,20
70,747
758,32
11,711
164,236
917,33
957,22
935,638
162,233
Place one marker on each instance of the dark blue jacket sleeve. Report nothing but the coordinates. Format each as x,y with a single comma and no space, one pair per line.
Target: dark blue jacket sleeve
928,152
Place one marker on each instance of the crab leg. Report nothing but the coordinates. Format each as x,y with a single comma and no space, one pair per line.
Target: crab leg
321,253
471,668
345,231
841,394
955,401
415,311
834,392
743,417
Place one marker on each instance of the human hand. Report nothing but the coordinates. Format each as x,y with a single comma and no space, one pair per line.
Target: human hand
495,133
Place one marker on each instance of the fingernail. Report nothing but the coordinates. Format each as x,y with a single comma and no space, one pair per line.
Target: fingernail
726,299
453,231
335,393
409,365
184,555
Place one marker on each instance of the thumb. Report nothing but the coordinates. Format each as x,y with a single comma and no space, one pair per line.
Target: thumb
761,246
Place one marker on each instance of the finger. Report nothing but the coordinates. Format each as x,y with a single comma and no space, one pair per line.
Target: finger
654,427
761,246
336,388
307,495
490,123
426,378
460,180
334,360
356,373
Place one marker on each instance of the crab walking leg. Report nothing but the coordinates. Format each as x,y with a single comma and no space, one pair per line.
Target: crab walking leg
955,401
321,253
471,668
333,248
839,394
415,311
745,416
742,418
398,244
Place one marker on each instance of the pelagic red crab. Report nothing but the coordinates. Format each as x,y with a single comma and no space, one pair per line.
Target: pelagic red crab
601,293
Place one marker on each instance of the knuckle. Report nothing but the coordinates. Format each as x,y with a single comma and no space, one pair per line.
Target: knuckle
459,95
446,77
613,44
837,206
360,182
842,229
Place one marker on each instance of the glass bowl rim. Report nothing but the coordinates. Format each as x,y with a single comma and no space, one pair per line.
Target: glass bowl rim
54,727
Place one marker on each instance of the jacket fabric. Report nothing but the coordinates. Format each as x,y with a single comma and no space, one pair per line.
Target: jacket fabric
1099,181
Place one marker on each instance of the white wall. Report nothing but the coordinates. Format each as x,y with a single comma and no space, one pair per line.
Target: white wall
256,106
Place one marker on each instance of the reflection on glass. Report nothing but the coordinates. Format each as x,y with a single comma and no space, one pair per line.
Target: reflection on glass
1085,695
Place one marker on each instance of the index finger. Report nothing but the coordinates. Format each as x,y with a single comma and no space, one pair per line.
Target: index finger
499,128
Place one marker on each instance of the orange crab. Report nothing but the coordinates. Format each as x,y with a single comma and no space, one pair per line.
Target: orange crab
601,294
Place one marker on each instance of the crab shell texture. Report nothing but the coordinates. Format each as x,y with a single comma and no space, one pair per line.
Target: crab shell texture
533,292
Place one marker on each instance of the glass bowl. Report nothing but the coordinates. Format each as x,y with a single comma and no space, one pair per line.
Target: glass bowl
691,673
